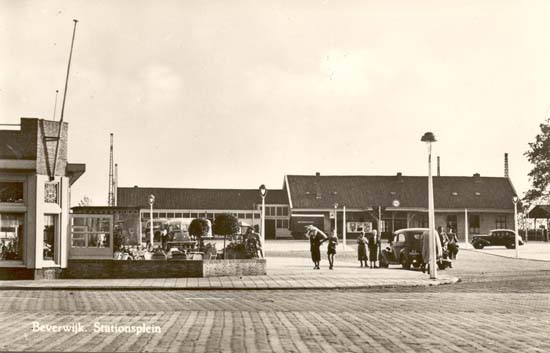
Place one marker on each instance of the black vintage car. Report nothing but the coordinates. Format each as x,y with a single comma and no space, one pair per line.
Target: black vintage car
496,237
405,248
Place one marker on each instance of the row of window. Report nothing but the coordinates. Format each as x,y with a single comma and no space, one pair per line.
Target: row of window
274,211
208,215
474,221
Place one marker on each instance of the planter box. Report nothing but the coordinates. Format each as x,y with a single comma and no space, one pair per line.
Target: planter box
99,268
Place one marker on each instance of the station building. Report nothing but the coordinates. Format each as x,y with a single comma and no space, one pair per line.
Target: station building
475,203
175,203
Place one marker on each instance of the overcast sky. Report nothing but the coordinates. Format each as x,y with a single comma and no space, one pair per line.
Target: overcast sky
233,94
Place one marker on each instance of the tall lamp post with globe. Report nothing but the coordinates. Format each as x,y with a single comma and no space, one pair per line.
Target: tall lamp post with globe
429,138
336,219
515,199
151,202
263,193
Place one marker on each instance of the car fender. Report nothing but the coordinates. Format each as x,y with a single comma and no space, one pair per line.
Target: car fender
482,241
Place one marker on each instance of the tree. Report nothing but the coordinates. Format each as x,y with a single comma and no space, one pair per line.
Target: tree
86,201
225,224
539,156
199,228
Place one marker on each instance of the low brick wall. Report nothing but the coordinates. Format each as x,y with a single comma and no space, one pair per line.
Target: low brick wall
249,267
132,269
100,268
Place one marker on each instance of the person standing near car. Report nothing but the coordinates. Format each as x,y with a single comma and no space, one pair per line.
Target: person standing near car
362,248
426,253
452,245
373,242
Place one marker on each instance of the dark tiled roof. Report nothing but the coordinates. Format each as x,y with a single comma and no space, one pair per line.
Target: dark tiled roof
540,211
411,191
201,199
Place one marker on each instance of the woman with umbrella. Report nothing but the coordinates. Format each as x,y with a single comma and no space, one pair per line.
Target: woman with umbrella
316,238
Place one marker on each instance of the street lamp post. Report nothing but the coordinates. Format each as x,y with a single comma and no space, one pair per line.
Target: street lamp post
515,200
429,138
151,202
263,193
344,228
336,219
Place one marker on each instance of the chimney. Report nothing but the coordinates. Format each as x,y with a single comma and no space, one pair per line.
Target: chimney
438,170
399,177
317,174
506,165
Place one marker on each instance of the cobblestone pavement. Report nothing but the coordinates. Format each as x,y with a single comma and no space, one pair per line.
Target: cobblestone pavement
279,321
501,305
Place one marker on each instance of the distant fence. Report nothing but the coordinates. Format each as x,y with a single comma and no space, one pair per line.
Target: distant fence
536,235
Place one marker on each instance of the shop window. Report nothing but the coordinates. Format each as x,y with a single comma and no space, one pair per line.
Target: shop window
50,232
240,216
500,222
179,215
170,215
155,215
284,223
194,215
285,211
210,215
91,231
50,192
162,215
145,215
11,236
473,224
11,192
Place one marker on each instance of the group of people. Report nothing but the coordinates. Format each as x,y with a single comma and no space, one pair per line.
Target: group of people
446,249
316,238
370,242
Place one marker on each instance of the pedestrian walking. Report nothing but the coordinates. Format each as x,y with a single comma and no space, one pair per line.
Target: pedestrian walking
373,242
362,248
331,250
316,238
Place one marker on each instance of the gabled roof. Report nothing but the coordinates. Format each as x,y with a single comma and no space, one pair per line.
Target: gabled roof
199,199
450,192
540,211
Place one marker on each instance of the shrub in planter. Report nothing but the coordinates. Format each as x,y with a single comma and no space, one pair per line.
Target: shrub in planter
199,228
226,224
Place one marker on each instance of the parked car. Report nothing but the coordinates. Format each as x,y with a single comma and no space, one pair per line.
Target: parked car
496,237
405,248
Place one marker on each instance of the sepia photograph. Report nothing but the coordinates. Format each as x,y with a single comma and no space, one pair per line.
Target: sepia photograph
274,176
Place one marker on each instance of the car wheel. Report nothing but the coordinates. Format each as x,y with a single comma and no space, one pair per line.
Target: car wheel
510,246
478,245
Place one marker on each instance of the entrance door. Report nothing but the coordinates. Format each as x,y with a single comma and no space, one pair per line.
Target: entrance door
270,229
